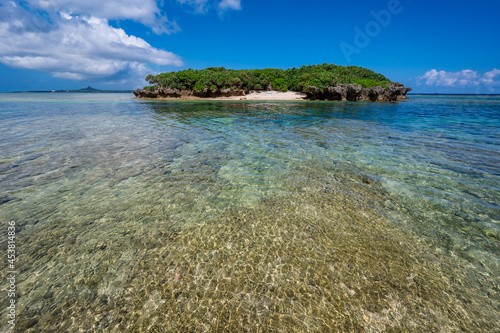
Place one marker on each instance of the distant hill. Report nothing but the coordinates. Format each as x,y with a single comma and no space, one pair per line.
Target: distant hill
87,90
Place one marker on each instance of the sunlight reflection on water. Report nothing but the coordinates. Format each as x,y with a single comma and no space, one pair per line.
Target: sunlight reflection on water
294,216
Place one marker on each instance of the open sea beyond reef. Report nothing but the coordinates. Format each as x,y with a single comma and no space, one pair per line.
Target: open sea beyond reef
142,216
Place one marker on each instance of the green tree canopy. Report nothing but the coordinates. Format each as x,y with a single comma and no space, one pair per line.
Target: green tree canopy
295,79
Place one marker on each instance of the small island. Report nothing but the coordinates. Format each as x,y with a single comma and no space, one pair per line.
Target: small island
317,82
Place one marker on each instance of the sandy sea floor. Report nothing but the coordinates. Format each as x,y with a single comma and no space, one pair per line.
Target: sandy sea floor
140,216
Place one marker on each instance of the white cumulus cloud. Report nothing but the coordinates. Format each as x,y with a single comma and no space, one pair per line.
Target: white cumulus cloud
73,39
146,12
201,6
232,4
76,47
489,77
460,79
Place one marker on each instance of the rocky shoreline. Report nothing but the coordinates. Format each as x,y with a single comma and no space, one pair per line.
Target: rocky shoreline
340,92
350,92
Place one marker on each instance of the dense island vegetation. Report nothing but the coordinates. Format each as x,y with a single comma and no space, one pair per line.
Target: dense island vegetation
295,79
313,80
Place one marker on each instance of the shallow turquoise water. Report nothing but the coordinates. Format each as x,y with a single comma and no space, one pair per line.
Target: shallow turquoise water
94,181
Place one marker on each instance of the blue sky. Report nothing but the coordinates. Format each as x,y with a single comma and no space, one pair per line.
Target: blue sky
431,46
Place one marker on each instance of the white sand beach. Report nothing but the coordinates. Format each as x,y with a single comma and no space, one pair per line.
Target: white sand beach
269,96
262,95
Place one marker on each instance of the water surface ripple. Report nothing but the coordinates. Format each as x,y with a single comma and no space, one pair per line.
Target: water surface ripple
211,216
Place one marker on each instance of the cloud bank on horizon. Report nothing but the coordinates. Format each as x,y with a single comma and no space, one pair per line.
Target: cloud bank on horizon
74,40
461,79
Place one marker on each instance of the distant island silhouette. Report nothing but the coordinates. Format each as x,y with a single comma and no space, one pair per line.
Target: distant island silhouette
89,89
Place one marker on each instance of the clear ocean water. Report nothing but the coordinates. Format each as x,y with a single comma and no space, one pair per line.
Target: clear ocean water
142,216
